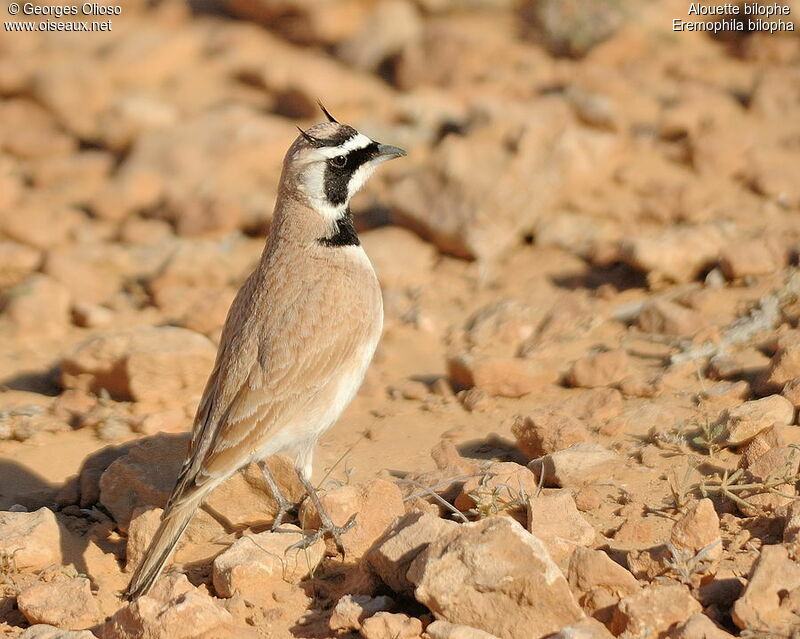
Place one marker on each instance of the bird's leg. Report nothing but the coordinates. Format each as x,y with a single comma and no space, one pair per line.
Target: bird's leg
284,505
327,523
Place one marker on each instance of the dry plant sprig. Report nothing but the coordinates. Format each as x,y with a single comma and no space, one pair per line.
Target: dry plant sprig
730,485
684,564
495,499
431,492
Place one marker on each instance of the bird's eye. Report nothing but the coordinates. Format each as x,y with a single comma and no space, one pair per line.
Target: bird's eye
339,161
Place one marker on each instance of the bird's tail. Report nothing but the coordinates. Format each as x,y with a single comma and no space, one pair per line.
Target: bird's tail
173,522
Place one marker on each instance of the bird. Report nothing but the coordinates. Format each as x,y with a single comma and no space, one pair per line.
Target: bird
297,340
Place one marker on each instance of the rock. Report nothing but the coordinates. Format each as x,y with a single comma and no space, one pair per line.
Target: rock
653,609
145,475
195,286
698,531
584,629
441,629
792,392
499,328
384,246
574,466
783,370
476,400
17,261
699,626
44,631
351,610
498,376
256,563
752,257
545,431
791,515
388,625
68,604
386,31
775,579
167,166
174,609
158,365
744,422
447,459
598,582
554,519
299,22
495,576
482,191
574,27
31,540
594,405
391,555
143,526
503,487
678,254
601,369
375,505
668,318
91,315
93,467
38,304
94,272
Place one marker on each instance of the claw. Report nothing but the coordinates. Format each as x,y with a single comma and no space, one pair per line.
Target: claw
327,523
335,531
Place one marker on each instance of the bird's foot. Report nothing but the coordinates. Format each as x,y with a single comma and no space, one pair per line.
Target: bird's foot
328,527
285,507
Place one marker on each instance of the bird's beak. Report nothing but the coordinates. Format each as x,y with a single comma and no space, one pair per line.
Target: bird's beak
389,152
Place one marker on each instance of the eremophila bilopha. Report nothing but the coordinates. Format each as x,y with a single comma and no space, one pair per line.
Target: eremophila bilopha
297,340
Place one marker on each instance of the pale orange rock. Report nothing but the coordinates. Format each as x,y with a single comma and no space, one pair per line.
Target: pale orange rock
746,421
775,578
598,582
374,505
174,609
668,318
498,376
392,554
698,531
38,304
699,626
601,369
495,576
555,520
32,540
256,563
546,431
151,364
752,257
351,610
654,609
389,625
66,603
502,486
143,526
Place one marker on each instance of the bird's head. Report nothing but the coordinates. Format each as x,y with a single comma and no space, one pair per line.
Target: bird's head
330,162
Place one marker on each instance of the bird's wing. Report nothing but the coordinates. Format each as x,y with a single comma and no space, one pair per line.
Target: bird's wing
272,365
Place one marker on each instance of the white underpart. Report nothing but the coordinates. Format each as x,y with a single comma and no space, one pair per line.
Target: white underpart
358,141
299,437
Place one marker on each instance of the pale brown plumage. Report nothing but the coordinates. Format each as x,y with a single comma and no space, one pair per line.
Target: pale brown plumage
295,345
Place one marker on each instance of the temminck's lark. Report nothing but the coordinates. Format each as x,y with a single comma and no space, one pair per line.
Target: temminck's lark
297,340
